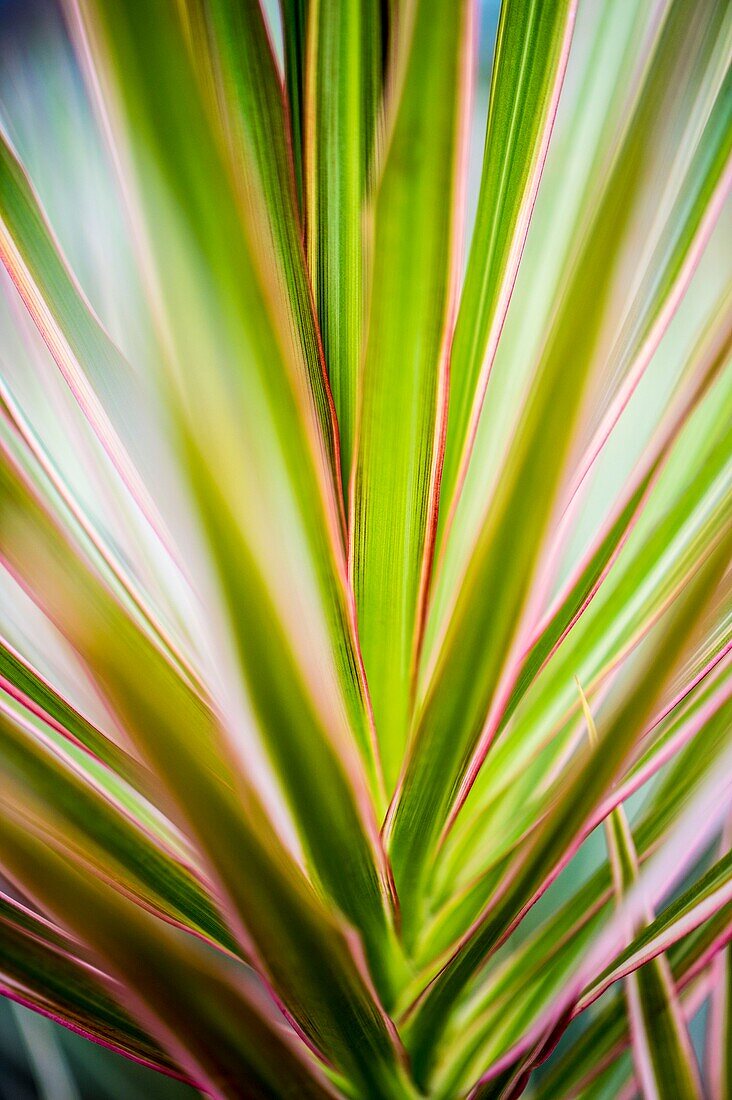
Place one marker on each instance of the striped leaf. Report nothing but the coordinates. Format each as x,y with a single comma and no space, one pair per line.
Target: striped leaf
662,1050
309,526
416,211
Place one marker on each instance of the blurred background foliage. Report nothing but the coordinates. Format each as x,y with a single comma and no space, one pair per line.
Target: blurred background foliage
41,101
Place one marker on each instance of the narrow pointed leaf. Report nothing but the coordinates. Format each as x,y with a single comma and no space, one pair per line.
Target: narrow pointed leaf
680,515
40,967
93,367
404,383
254,413
535,974
662,1050
562,828
342,115
324,787
699,823
294,25
153,874
209,1024
709,895
295,941
25,684
608,1033
456,916
579,589
719,1035
491,598
530,59
232,50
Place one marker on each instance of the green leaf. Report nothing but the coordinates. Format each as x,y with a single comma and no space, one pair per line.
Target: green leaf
629,598
531,52
709,707
319,773
300,720
563,826
535,972
719,1034
544,1025
212,1025
94,369
274,876
43,968
709,359
278,921
707,896
682,513
608,1033
24,683
342,117
221,274
493,593
609,46
155,876
662,1050
294,26
503,1005
231,50
404,382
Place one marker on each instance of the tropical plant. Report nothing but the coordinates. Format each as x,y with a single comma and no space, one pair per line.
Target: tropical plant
350,587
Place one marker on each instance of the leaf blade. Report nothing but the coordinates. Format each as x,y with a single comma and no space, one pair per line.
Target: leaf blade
662,1050
404,371
492,597
530,60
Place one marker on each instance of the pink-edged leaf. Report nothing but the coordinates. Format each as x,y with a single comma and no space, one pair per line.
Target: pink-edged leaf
93,367
19,679
662,1050
44,969
606,1038
530,60
417,210
564,827
719,1034
587,576
213,1025
495,590
664,870
296,942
